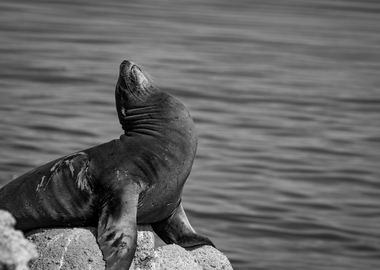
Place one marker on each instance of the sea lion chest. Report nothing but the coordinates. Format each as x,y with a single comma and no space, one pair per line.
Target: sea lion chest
160,164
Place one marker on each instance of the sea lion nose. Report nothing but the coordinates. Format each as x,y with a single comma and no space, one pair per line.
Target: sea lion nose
139,76
125,67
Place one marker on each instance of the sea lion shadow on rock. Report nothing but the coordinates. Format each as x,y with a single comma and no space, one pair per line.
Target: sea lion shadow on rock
136,179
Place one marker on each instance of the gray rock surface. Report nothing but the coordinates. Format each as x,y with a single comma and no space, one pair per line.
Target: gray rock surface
76,248
210,258
15,250
66,248
174,257
145,249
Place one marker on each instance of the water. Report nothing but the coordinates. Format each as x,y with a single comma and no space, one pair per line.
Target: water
285,96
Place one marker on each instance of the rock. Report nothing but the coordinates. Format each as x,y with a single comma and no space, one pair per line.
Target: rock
6,219
145,248
76,248
173,257
66,248
15,250
211,259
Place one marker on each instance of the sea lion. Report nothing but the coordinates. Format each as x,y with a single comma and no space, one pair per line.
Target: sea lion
137,179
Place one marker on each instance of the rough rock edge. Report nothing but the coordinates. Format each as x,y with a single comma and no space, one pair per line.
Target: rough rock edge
210,258
172,257
66,248
168,257
15,250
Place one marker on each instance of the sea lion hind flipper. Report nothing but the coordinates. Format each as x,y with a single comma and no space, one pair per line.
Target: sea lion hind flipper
117,231
177,229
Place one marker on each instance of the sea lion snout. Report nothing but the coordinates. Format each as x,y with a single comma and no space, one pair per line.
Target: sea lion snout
132,79
130,71
125,68
139,77
132,85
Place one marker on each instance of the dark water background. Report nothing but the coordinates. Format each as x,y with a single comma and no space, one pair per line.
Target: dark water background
285,96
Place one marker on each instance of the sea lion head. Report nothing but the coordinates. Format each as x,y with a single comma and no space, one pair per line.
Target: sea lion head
133,89
144,109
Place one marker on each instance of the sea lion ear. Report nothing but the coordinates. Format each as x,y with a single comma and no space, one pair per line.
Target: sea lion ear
117,230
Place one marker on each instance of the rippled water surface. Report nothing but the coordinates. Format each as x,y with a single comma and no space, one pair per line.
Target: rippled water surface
285,96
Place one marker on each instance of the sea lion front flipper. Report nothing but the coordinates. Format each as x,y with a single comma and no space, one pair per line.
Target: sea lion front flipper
177,229
117,229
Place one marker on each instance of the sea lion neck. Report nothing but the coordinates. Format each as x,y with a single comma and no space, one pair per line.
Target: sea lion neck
164,114
143,119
